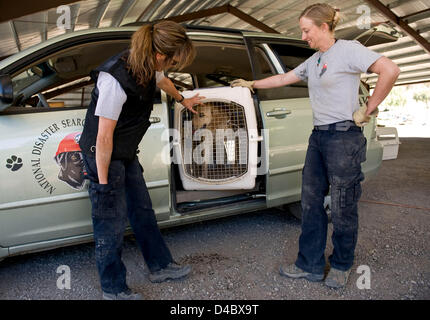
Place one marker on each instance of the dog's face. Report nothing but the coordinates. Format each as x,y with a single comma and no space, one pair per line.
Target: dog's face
203,118
71,169
211,117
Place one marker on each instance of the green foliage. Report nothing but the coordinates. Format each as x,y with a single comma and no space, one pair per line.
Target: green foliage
422,96
396,98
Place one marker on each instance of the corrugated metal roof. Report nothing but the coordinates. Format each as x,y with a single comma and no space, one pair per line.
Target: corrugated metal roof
280,15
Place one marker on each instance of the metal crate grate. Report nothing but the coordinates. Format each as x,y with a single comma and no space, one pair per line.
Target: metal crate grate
214,142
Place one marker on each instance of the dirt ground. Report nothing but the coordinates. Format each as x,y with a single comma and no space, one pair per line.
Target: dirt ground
239,257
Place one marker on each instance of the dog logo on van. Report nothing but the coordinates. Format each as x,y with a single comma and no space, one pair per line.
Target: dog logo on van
69,159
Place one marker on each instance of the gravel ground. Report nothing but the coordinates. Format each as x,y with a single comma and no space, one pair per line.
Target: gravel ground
239,257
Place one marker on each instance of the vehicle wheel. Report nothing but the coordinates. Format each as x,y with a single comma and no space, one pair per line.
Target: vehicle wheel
296,208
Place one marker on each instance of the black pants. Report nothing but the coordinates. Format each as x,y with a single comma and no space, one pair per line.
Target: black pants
333,160
125,196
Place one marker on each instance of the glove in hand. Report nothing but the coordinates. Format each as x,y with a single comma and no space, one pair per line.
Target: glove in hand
243,83
360,117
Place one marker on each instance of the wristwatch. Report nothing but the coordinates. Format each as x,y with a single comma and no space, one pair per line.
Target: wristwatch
182,99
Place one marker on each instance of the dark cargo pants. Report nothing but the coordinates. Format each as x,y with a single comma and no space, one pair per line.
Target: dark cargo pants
333,162
125,196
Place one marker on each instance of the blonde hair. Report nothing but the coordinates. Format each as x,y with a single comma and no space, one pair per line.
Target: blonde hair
165,37
321,13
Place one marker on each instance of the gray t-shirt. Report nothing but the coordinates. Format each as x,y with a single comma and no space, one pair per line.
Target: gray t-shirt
334,78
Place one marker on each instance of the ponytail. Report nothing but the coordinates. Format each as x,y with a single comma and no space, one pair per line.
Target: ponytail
166,37
141,60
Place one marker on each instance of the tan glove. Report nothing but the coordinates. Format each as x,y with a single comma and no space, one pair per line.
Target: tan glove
243,83
360,117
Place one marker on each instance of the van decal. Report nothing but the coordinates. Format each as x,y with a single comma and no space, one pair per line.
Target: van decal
69,159
39,176
68,155
14,163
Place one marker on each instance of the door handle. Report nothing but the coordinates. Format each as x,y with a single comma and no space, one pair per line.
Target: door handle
154,119
278,113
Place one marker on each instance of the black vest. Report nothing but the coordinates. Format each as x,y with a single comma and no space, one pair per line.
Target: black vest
134,117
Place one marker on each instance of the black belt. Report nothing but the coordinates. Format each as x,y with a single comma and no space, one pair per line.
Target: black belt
338,126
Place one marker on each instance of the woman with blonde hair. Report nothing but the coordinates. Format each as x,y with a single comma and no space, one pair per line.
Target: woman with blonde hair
115,123
336,146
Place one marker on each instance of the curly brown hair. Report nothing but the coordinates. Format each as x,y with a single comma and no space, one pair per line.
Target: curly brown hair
165,37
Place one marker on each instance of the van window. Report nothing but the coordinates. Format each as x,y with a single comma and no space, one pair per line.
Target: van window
216,65
290,57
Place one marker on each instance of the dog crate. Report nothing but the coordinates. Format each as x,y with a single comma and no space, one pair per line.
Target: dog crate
216,148
389,139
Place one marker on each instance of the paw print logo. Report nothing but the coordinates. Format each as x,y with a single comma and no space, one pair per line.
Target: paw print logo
14,163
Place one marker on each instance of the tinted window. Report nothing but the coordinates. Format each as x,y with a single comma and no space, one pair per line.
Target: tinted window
290,57
216,65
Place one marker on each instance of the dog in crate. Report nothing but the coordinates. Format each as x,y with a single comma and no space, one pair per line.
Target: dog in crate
211,116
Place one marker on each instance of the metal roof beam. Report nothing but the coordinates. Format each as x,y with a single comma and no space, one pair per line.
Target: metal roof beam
407,55
288,17
15,34
398,3
168,7
179,9
44,33
424,30
202,4
223,9
409,83
74,12
417,16
414,63
150,10
413,80
9,11
237,5
402,24
216,4
103,6
293,19
123,11
195,6
404,45
405,73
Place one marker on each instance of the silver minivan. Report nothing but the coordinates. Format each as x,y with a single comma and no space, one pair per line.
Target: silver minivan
45,91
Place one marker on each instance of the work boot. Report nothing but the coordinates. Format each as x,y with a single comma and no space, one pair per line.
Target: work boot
171,271
125,295
293,271
337,278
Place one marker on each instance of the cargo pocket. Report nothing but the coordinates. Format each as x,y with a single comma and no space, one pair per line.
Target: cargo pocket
349,196
354,144
363,150
103,198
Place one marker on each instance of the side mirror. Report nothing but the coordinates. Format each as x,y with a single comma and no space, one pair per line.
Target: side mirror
6,90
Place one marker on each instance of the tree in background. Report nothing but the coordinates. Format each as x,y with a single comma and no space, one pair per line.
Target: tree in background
395,103
396,98
423,96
